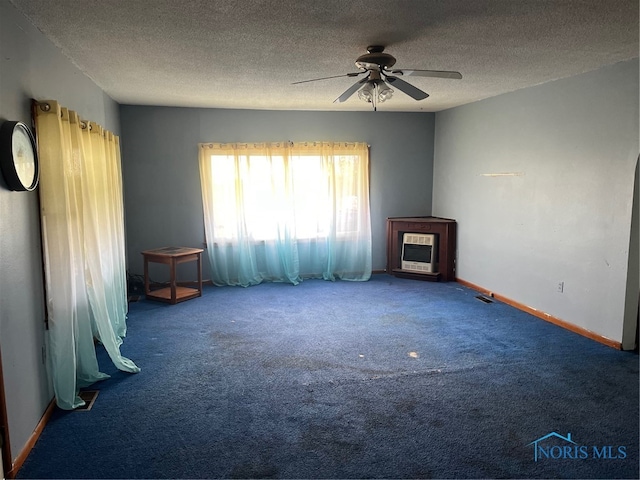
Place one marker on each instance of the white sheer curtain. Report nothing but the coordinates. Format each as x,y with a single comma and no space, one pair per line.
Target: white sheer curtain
286,211
83,243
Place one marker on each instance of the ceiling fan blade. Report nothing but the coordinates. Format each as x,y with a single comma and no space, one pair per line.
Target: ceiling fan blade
351,90
407,88
427,73
352,74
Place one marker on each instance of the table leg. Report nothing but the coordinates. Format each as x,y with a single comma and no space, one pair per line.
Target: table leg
200,273
173,281
146,276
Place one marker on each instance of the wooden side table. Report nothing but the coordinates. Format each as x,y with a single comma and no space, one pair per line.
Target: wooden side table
172,256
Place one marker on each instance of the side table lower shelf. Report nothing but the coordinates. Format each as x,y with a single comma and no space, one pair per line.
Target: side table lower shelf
182,294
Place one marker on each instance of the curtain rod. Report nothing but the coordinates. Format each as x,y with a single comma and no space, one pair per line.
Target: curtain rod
46,107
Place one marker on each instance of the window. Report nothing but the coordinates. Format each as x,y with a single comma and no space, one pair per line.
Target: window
286,192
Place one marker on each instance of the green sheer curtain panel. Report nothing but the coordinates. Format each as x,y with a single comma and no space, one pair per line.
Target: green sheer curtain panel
283,212
82,219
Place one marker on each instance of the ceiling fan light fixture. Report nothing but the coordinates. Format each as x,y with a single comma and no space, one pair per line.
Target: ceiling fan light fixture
367,92
375,91
384,92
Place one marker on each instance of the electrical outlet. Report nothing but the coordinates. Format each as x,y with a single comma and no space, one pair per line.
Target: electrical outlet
560,287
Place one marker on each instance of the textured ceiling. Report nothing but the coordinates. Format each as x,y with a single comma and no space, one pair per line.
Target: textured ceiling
246,53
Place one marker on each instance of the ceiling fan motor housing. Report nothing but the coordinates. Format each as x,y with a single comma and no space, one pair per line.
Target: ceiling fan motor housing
376,59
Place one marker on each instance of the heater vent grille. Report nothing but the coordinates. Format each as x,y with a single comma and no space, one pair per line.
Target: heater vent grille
89,397
418,239
418,267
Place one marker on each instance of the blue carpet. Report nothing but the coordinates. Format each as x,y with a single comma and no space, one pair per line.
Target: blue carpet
390,378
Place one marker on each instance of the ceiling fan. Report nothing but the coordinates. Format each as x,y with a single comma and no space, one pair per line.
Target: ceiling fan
374,88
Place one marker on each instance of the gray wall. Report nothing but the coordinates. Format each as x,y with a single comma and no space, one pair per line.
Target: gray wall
31,67
161,178
566,214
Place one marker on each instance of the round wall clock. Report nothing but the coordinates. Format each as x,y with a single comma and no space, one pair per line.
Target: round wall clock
18,156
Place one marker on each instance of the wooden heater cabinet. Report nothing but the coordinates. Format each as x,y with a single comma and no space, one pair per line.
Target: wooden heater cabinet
445,228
